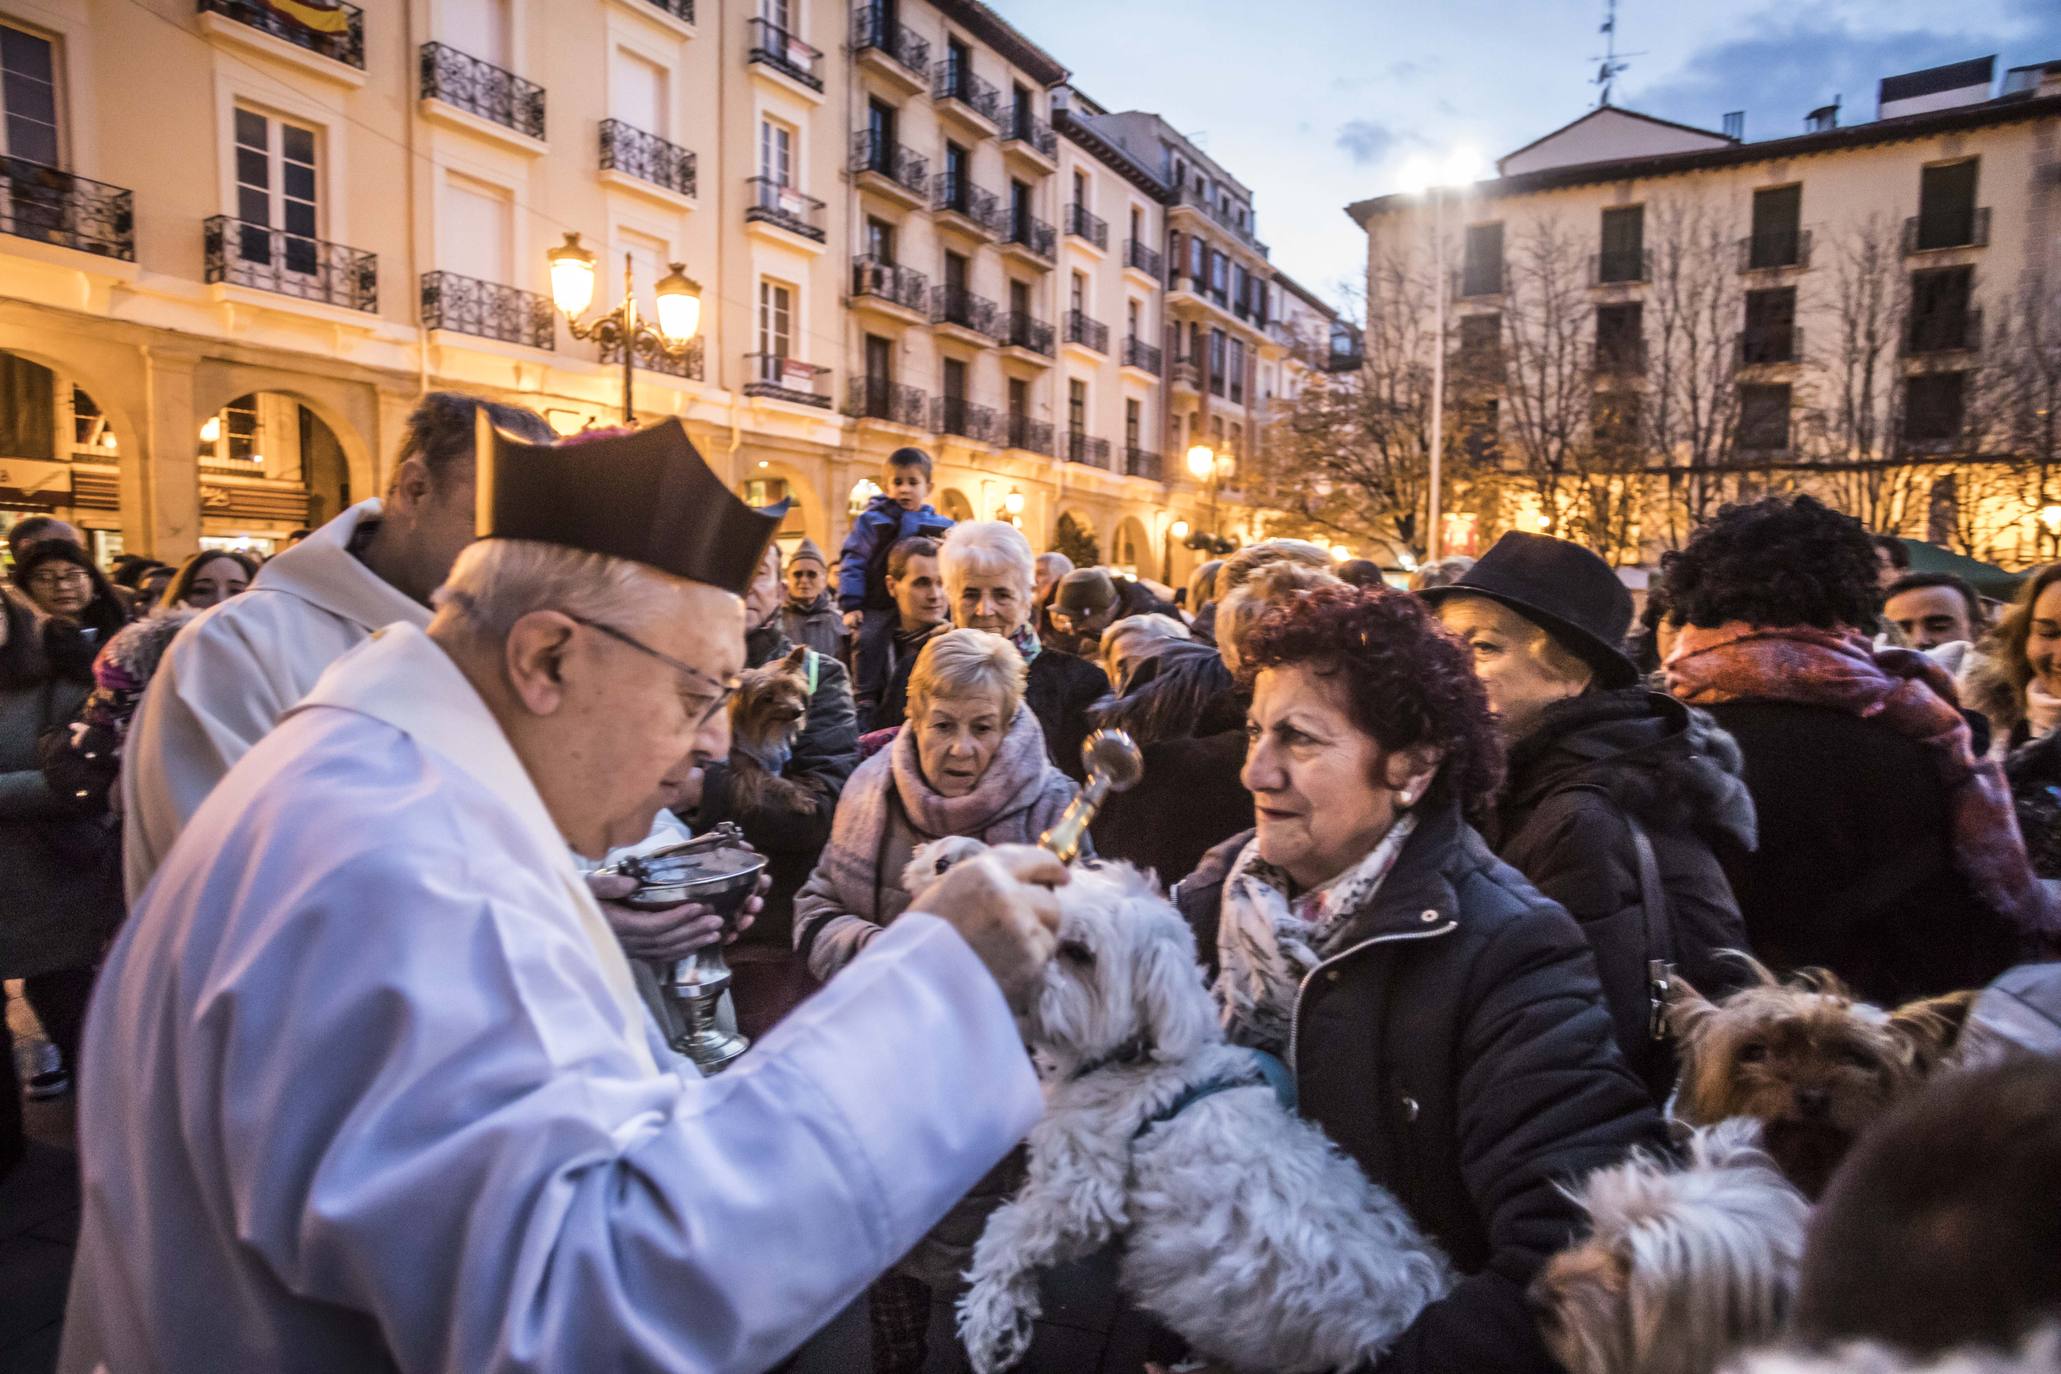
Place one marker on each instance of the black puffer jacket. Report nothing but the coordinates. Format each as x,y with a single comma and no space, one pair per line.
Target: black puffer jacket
1590,767
1458,1049
1059,688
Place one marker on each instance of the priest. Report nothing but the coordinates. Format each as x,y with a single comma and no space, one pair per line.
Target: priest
368,1085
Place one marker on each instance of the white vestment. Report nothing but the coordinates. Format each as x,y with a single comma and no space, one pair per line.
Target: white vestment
232,673
366,1087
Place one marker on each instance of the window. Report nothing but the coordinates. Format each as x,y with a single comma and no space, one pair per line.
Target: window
880,129
1019,297
637,93
1020,102
1133,319
1077,407
1237,439
1483,273
1137,226
778,13
955,380
776,152
1941,320
1237,369
28,95
1197,260
1217,361
1934,405
1133,420
958,63
1777,234
1080,188
276,189
1770,327
880,240
1019,398
477,28
1946,205
957,160
1764,418
955,272
1624,245
475,229
1077,294
776,318
1241,300
1019,209
1620,338
880,362
1219,275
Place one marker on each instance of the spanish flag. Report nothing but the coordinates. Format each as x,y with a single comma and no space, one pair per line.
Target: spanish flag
316,16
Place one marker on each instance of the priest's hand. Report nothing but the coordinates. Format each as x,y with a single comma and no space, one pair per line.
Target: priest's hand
1002,904
672,933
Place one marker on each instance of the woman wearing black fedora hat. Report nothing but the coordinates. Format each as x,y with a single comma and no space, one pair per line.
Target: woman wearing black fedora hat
1617,799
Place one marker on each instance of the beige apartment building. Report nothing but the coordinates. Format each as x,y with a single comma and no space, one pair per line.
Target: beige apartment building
240,238
1862,310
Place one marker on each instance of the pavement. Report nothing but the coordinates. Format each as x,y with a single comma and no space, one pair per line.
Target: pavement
39,1226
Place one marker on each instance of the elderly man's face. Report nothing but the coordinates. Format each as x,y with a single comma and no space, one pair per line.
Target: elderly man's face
763,598
999,605
804,581
1930,616
1086,624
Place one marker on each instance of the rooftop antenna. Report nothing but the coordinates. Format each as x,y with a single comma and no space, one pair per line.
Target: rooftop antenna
1612,61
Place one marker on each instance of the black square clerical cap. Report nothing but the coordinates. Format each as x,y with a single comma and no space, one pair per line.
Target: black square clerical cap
645,495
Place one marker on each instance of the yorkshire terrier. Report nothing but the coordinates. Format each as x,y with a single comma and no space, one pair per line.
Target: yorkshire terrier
1813,1065
1682,1267
766,718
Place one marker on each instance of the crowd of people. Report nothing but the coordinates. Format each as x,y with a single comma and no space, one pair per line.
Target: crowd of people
1453,851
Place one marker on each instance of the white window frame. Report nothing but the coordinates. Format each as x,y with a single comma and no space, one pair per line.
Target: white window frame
778,143
60,124
777,317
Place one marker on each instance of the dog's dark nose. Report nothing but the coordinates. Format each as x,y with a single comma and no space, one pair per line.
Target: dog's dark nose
1813,1101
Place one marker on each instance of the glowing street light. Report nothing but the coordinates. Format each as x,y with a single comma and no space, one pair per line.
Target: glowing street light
679,311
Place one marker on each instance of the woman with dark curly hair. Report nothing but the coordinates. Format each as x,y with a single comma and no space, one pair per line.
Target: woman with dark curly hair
1443,1019
1888,850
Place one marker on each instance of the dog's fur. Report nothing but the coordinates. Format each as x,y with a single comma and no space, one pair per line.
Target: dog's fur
766,717
1814,1066
1244,1230
1682,1267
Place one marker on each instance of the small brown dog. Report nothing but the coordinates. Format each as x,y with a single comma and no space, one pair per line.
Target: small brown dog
766,718
1814,1066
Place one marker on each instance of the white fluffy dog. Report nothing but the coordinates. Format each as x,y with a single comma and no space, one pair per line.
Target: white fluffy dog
2042,1355
1244,1229
1683,1266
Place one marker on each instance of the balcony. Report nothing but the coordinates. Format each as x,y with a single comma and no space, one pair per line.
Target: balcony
1770,344
959,92
1965,227
1774,249
786,379
482,89
877,398
1088,333
954,307
49,206
775,48
1616,266
1028,435
1143,462
1141,355
877,281
1478,279
1025,133
1029,235
785,207
1943,331
1620,357
689,365
1221,215
1021,329
887,45
1081,448
957,415
646,157
1140,257
1185,375
1083,225
682,10
484,309
345,43
239,253
886,166
976,209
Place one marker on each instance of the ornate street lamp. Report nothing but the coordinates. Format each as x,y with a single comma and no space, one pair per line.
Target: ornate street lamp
1205,464
679,312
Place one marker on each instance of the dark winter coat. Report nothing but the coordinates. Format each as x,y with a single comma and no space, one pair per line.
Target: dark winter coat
817,625
901,656
1183,690
1189,801
2033,768
1854,871
1591,768
1460,1052
862,565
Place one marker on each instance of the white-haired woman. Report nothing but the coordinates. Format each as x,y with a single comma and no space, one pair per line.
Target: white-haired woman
990,577
1131,641
969,761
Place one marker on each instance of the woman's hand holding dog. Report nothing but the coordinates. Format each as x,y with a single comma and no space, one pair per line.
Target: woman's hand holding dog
1001,903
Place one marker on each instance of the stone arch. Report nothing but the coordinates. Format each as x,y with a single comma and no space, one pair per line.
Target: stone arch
809,517
1073,529
1131,548
113,381
953,505
349,409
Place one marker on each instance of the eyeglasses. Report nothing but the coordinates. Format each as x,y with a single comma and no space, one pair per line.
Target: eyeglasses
67,577
698,711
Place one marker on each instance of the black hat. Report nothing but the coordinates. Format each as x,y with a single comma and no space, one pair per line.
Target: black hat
645,495
1563,589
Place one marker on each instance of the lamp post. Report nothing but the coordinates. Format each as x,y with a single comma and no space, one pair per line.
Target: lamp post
679,312
1205,464
1461,166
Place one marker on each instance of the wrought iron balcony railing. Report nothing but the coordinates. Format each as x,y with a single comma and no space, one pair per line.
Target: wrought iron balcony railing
1028,435
786,379
1081,224
1224,218
647,157
874,27
1081,448
872,151
466,305
784,53
1142,462
1943,331
904,286
956,194
691,364
1020,329
957,415
1088,332
483,89
1620,265
1031,232
1770,344
1138,353
877,398
956,81
786,207
50,206
679,9
267,259
345,43
1774,248
1026,128
1142,256
956,305
1964,227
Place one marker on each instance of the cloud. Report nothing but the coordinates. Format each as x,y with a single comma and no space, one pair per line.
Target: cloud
1364,141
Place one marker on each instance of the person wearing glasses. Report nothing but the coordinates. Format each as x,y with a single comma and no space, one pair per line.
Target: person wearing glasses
59,577
369,1081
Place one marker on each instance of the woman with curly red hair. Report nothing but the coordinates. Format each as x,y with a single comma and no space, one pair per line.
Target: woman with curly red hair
1442,1019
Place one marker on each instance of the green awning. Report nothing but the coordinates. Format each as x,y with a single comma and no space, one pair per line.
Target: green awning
1987,578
